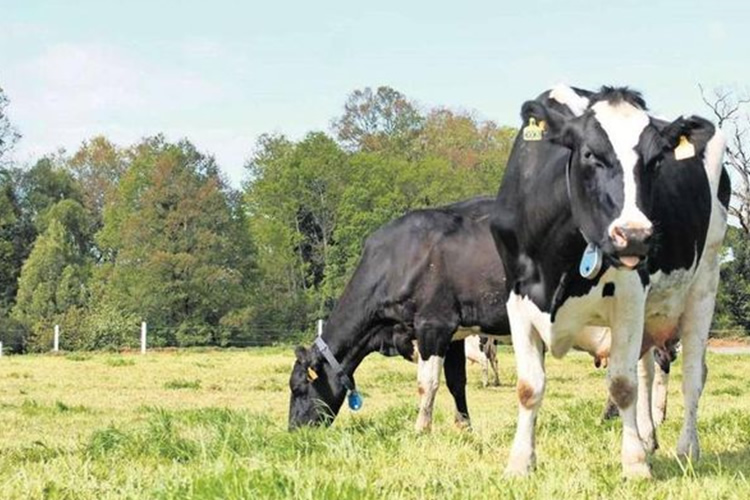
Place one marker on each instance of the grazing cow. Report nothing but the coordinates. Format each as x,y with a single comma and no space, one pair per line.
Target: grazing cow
420,278
483,352
609,217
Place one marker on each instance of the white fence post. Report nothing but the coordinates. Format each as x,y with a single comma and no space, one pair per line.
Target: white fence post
320,327
56,344
144,329
1,349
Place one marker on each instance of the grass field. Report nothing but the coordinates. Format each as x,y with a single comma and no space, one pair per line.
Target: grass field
191,424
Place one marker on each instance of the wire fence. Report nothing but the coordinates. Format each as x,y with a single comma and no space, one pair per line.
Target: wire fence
148,337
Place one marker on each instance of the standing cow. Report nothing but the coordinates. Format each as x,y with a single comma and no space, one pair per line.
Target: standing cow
482,350
609,217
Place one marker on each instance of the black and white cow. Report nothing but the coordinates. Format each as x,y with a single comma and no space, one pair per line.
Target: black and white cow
420,278
483,351
648,199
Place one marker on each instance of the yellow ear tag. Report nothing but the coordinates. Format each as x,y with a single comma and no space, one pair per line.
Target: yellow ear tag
532,131
311,375
684,149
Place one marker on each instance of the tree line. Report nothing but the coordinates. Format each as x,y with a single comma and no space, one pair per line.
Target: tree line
102,238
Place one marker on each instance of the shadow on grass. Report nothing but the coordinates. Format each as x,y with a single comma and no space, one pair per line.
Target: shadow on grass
734,464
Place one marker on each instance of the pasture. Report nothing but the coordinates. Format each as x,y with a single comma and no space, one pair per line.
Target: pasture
212,424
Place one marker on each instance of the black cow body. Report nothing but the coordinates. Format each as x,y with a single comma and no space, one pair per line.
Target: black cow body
606,174
420,278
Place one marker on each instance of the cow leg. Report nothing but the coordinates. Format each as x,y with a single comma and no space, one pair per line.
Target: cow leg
694,327
455,379
645,420
491,353
428,381
627,334
659,396
433,340
485,371
529,353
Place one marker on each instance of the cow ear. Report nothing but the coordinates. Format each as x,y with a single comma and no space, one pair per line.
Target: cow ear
683,133
302,354
560,129
653,145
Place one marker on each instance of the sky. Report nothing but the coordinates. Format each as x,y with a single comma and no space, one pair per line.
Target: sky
223,72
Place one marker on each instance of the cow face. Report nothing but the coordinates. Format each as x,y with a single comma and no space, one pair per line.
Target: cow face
615,151
316,394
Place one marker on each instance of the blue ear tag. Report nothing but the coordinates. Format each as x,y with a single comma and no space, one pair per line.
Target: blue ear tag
591,262
355,400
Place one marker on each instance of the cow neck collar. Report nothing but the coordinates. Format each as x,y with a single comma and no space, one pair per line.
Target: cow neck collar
331,359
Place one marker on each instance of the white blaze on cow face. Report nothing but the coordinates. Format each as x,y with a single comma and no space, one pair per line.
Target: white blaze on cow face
623,124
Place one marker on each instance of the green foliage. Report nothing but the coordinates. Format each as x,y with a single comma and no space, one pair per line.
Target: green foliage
312,205
384,120
52,285
182,384
733,299
108,327
176,244
8,134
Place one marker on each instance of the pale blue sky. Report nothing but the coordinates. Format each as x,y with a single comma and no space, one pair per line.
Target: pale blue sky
222,72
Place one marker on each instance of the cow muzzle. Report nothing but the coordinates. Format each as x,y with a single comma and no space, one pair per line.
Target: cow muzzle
631,242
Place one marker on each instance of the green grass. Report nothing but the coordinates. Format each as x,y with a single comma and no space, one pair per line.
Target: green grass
185,424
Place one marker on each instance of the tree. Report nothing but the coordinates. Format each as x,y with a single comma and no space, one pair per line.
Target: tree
378,121
293,200
97,166
733,298
731,112
175,243
53,279
8,134
25,199
478,149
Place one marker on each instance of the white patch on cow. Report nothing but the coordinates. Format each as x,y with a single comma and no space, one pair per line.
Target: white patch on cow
666,303
623,124
567,96
580,320
646,428
595,340
473,351
659,396
428,381
712,162
529,353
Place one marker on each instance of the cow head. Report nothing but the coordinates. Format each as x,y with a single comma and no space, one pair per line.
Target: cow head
316,394
615,152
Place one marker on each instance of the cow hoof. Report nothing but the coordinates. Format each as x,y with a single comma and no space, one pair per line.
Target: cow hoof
688,450
520,466
423,427
639,470
463,424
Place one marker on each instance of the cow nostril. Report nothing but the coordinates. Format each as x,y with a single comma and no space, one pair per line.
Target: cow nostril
619,237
